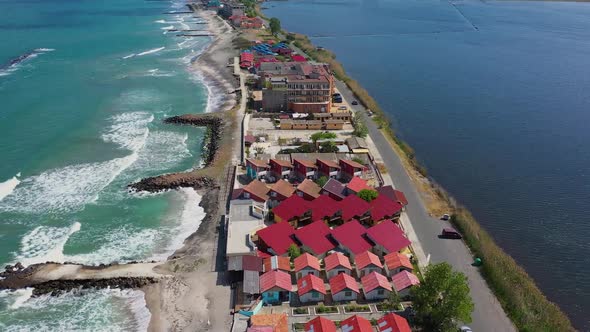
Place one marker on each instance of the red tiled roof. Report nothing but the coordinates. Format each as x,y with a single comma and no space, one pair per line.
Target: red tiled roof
388,235
323,206
404,280
284,163
272,279
335,260
306,260
350,235
357,184
315,237
298,58
393,323
262,254
353,206
293,206
309,187
258,189
394,195
320,324
277,263
383,207
310,282
341,282
356,324
305,162
283,187
257,162
352,163
395,260
277,237
251,263
365,259
329,163
375,280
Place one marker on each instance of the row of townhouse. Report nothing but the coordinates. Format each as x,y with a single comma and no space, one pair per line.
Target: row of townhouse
301,169
390,322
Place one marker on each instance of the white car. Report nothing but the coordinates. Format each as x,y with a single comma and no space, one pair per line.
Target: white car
465,328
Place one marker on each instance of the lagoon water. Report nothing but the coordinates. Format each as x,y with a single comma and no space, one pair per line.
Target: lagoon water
84,86
493,96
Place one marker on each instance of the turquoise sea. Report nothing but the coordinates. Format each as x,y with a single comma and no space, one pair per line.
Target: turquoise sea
84,86
493,97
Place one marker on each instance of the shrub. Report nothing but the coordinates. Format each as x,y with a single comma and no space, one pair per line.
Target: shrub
294,251
321,181
367,195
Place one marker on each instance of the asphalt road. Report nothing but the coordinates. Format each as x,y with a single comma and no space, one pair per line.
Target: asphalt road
488,314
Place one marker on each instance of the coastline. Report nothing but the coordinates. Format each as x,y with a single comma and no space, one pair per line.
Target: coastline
500,271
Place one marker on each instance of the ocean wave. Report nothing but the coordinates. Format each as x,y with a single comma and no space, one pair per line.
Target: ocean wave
152,51
45,244
78,310
129,56
14,64
8,186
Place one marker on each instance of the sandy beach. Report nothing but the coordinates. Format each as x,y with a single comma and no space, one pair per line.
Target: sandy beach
196,297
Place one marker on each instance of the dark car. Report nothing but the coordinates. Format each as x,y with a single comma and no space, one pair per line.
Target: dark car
354,102
449,233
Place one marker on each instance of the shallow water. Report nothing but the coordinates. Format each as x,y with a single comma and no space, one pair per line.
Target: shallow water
492,95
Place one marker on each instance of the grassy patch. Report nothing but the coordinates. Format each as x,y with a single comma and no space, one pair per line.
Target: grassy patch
522,300
300,311
357,308
322,309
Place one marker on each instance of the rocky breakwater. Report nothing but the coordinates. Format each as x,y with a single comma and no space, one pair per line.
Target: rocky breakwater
198,179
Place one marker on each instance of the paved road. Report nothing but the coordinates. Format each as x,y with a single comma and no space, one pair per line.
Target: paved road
488,314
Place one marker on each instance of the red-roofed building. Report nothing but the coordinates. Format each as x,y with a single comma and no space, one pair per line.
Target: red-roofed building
394,195
306,264
351,238
388,238
350,169
246,60
279,191
366,263
314,238
343,288
277,322
304,169
328,168
325,208
335,189
294,210
308,190
354,207
311,288
280,169
403,281
320,324
298,58
375,286
282,263
356,324
384,208
337,263
396,263
357,184
393,323
275,286
255,190
276,238
256,168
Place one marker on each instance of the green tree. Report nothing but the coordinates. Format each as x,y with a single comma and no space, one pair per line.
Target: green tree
443,299
393,301
275,26
360,129
328,146
367,194
294,251
322,135
321,181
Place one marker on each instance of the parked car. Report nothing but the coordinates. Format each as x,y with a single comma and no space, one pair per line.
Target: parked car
354,102
445,217
449,233
343,108
465,329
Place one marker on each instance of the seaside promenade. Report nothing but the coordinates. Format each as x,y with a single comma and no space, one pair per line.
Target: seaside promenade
488,314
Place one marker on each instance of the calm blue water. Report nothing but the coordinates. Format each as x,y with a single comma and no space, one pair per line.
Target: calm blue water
80,118
493,96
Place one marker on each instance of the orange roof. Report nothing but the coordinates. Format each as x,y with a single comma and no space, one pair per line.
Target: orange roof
277,263
257,188
395,260
305,162
373,281
309,187
257,162
352,163
277,321
357,184
336,259
283,187
365,259
310,282
284,163
306,260
329,163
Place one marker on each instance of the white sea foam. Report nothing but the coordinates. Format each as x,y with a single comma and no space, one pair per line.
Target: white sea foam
45,244
7,187
152,51
168,27
21,296
44,49
162,151
83,310
129,56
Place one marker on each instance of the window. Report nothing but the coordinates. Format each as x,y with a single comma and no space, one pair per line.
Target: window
273,194
341,271
381,291
300,194
315,294
246,195
348,293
